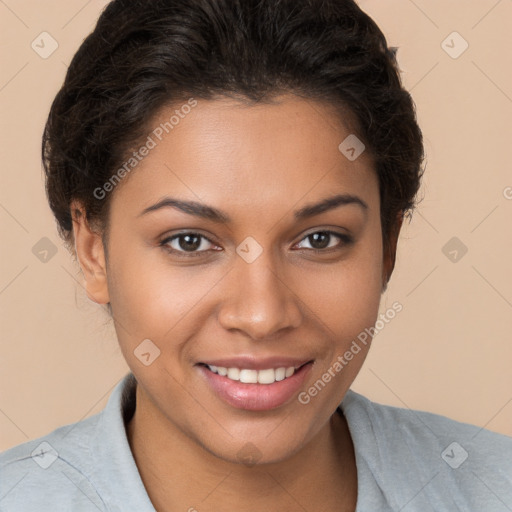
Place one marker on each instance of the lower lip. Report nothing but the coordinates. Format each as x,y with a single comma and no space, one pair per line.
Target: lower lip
256,397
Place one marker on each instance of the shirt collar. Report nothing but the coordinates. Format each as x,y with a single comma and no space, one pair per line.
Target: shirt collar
119,481
116,468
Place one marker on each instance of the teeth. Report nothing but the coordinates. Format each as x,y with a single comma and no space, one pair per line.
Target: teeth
248,376
280,374
268,376
233,373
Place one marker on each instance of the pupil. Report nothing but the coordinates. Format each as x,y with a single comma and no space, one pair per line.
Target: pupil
191,242
319,240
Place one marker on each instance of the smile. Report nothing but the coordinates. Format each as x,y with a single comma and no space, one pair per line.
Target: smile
256,389
249,376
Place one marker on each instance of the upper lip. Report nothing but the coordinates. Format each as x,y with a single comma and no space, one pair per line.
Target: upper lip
260,363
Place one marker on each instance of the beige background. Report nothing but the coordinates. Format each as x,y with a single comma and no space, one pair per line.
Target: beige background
449,351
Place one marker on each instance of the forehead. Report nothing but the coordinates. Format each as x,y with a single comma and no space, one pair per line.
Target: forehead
249,155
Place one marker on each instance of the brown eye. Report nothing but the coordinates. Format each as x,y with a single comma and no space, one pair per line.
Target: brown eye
189,242
321,240
183,243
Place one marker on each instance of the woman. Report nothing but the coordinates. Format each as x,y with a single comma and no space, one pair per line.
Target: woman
232,178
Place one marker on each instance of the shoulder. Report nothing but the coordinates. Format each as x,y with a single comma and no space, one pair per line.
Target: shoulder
431,454
51,472
426,428
84,466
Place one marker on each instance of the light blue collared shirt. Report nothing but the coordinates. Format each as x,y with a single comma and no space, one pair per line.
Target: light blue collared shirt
411,461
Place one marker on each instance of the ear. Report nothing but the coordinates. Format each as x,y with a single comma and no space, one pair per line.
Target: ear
390,250
91,256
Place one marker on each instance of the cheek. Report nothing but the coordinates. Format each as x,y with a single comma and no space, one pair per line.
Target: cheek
347,296
346,304
154,299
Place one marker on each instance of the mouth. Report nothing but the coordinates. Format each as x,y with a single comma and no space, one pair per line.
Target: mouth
253,376
255,389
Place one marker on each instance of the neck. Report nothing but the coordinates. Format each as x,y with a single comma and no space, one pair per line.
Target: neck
179,474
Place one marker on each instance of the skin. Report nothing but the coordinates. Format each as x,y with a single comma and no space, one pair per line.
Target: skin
258,164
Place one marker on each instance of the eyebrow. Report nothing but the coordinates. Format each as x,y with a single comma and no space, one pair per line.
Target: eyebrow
215,215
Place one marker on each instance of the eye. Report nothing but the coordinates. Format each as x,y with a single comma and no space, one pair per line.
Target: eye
319,241
187,244
191,244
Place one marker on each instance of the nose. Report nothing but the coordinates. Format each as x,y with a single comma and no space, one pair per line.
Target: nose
258,301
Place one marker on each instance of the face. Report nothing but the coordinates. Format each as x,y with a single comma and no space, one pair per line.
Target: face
244,239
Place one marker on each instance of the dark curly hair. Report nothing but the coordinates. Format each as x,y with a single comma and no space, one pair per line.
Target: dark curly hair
147,54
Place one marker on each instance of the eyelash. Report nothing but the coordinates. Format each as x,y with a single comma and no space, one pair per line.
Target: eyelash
344,241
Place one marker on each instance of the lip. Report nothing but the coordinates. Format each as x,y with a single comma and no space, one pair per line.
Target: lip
255,397
254,363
